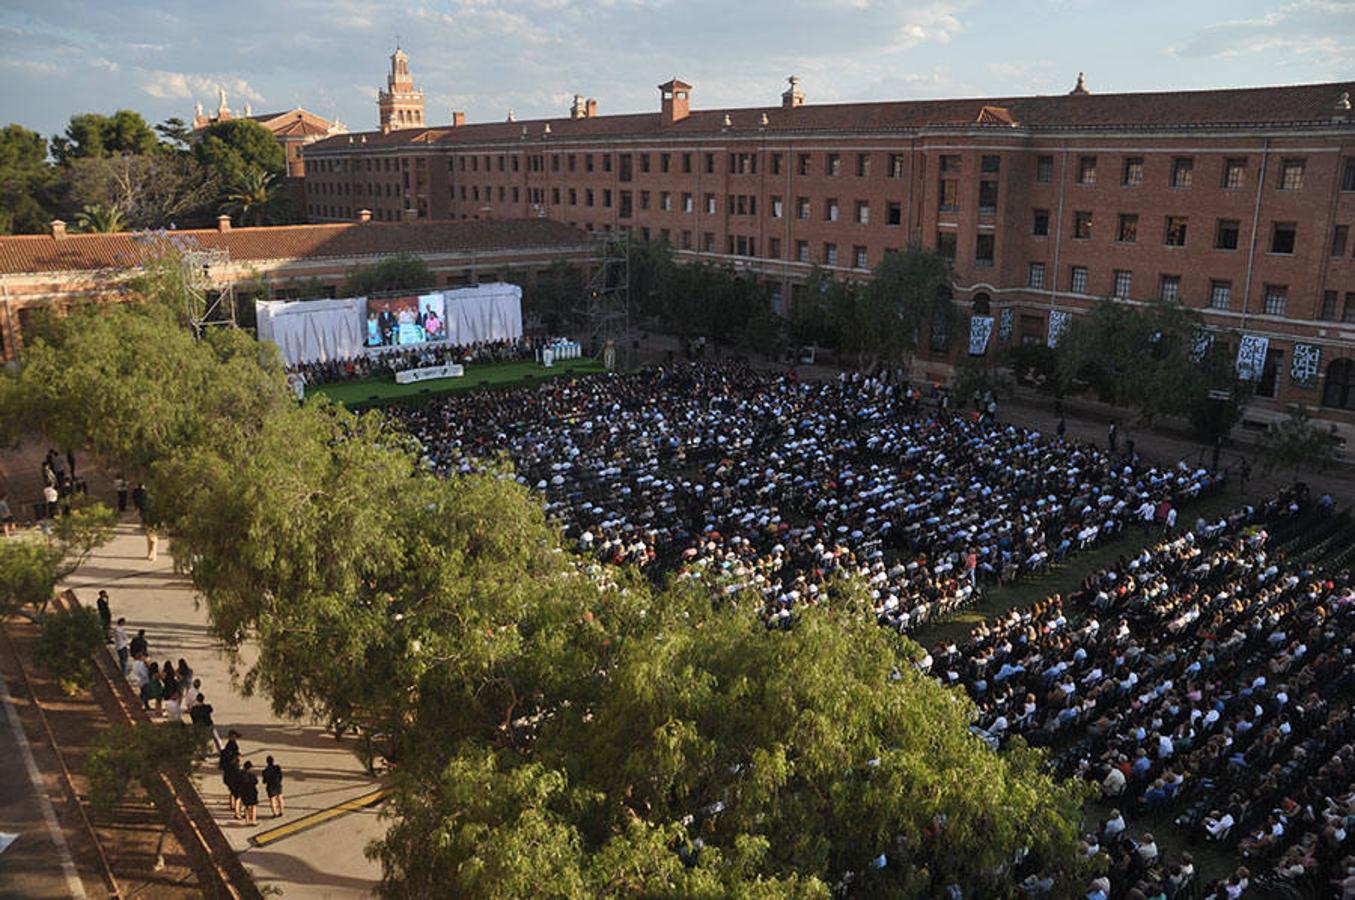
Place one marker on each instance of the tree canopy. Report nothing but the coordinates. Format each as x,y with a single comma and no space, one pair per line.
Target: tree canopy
124,133
561,728
401,272
230,149
27,181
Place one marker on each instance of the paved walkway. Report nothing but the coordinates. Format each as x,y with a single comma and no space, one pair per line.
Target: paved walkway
320,772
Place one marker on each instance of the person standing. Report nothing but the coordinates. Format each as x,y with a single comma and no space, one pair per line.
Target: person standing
6,515
272,783
120,485
140,647
121,643
249,793
105,616
1113,437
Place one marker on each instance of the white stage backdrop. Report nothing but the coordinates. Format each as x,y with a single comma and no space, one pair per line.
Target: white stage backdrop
490,312
311,330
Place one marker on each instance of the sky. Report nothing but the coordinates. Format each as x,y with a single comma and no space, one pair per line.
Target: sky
63,57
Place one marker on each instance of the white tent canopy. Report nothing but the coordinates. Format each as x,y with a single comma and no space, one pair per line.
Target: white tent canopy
490,312
313,330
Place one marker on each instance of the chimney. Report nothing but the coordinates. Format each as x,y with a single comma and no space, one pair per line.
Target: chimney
364,215
58,229
675,98
458,119
793,96
591,108
223,222
577,109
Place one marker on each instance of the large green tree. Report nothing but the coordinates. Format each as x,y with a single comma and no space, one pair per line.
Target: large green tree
152,190
27,181
125,133
232,148
401,272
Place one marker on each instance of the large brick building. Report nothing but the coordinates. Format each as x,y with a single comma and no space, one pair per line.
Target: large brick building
1236,202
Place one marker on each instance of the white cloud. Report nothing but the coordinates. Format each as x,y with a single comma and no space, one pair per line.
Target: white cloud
184,86
1318,29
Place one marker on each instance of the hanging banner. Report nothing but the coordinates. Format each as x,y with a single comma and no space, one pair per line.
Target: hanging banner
1307,363
1006,325
1058,324
1204,340
980,330
1251,357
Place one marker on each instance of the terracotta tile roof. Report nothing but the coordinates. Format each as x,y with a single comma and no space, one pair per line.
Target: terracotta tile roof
1288,105
86,252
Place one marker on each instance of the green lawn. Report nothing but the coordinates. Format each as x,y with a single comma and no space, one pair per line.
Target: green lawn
496,375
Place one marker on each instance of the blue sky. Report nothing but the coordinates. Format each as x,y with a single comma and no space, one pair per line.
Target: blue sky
60,57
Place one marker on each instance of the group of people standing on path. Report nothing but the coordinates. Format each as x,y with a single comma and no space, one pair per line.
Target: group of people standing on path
171,690
242,782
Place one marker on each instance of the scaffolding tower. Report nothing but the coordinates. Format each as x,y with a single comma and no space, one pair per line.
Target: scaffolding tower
606,312
208,303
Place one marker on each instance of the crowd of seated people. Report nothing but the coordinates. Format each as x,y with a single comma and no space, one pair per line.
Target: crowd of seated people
387,362
768,482
1208,680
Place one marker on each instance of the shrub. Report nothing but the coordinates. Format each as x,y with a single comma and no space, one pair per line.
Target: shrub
69,637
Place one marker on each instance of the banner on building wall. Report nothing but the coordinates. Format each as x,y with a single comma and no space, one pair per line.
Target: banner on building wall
1204,340
1251,357
1006,325
1058,324
1307,363
980,330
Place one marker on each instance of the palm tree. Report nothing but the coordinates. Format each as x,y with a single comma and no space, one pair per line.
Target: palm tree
251,196
99,219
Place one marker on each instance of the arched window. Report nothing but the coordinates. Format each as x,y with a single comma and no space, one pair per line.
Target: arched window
982,304
1338,389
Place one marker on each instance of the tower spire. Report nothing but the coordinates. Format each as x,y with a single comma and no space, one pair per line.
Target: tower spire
401,103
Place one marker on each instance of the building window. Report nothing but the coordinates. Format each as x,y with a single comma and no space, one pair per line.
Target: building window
708,241
946,244
1183,169
710,204
1077,283
1291,175
1133,171
588,197
1044,169
950,164
776,163
802,208
1275,297
830,254
863,165
896,166
1127,230
710,163
1124,283
1348,315
1082,226
1086,170
894,214
665,201
1282,237
1175,233
1270,372
832,164
950,195
1035,278
688,203
990,164
1225,236
1220,294
1338,386
802,251
774,248
686,164
777,208
644,199
588,162
665,163
644,163
1339,236
1329,301
1348,176
983,250
1234,173
862,212
686,240
802,164
860,259
1040,223
987,196
1169,288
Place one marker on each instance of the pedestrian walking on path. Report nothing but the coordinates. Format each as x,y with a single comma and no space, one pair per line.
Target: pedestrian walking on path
272,782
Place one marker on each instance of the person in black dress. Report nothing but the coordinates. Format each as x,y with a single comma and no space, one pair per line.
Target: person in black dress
105,616
272,782
229,762
249,792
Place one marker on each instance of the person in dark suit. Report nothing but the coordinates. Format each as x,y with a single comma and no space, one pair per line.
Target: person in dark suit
387,324
272,783
249,793
105,616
